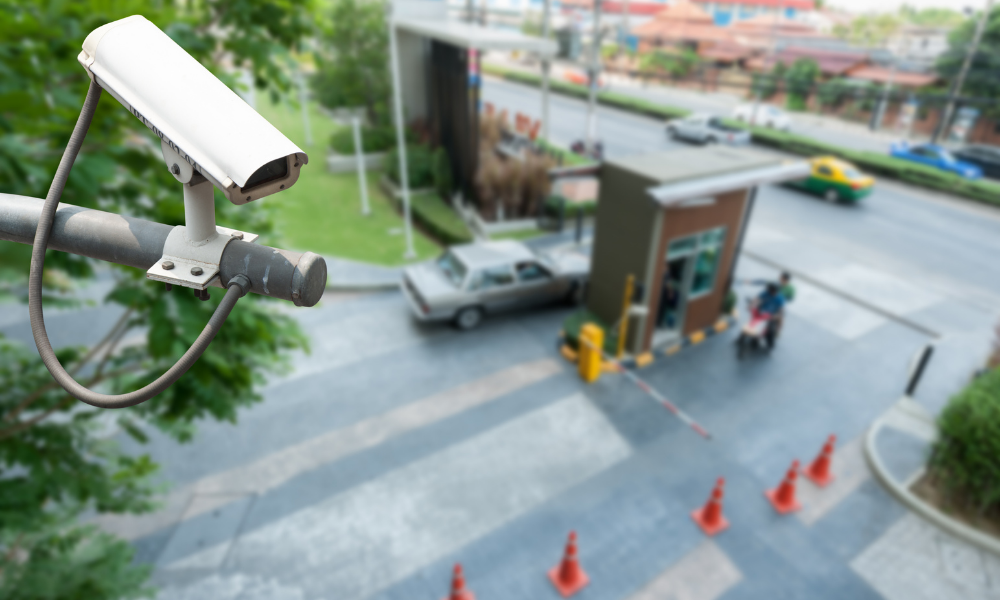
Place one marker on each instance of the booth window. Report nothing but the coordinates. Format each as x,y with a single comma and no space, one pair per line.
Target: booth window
707,261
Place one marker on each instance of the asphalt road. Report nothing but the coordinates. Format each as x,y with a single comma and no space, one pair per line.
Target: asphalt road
941,242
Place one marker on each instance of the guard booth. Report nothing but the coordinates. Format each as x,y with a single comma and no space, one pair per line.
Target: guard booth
439,76
675,221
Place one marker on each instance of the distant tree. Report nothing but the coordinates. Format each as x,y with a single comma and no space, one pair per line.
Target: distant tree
831,94
872,30
933,17
55,462
353,59
982,80
799,80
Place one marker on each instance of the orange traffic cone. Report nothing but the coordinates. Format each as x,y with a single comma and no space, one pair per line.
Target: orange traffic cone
458,591
567,576
819,471
709,517
783,497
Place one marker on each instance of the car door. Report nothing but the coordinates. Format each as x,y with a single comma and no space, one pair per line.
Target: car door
536,284
496,288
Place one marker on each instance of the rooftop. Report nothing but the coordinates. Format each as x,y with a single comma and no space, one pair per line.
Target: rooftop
690,173
475,37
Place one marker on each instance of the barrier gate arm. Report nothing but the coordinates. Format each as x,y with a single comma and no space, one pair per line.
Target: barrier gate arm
648,389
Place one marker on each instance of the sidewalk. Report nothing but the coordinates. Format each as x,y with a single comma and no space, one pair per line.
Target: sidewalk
355,276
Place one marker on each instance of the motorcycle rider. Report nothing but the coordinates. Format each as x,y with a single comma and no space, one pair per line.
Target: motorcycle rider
772,303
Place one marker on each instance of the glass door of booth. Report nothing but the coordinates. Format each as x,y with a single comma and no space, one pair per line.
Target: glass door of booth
689,273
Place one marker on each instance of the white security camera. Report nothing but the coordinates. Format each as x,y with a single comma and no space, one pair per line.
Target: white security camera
206,130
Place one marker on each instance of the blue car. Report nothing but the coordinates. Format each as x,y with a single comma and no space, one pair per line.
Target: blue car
935,156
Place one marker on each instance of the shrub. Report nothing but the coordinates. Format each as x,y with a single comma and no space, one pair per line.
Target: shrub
441,171
832,93
575,322
438,218
418,163
966,458
374,139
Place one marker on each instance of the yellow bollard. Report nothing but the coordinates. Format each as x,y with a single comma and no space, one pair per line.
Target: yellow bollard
591,343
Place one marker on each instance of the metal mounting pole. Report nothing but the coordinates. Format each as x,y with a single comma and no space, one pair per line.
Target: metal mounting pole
199,212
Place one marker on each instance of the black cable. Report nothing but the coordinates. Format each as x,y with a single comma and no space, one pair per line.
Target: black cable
238,287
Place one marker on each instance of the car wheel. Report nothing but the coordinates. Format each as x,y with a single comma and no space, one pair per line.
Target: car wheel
831,195
469,318
711,140
671,133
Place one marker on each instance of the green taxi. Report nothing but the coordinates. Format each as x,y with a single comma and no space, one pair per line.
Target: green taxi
835,180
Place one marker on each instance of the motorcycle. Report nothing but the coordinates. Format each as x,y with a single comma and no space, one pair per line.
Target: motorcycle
758,332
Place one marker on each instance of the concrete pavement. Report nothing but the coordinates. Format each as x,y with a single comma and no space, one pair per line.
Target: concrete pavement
412,447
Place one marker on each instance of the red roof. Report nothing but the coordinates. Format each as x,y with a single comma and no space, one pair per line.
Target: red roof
725,52
797,4
831,62
900,78
634,8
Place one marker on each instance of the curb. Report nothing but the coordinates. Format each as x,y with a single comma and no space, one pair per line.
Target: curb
918,506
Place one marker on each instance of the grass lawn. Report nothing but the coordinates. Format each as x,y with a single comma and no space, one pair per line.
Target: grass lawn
524,234
322,211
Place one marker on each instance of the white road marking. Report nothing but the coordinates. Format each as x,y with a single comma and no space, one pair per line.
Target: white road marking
275,469
705,573
371,536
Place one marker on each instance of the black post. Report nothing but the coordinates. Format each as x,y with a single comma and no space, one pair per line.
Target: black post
562,213
579,224
918,370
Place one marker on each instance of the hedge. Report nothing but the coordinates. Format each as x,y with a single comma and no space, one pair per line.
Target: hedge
439,219
880,164
966,457
374,139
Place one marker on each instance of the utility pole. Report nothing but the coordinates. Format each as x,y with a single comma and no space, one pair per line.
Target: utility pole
956,87
304,101
595,65
770,59
546,69
625,27
876,121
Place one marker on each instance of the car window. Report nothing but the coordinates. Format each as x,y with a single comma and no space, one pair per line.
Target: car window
922,152
453,268
852,174
714,122
530,271
496,277
946,156
824,170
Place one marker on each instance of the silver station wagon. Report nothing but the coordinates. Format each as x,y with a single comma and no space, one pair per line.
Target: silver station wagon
470,281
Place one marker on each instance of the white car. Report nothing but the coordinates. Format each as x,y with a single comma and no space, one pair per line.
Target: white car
766,115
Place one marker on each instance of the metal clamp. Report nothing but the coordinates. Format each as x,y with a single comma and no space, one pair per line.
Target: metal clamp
192,266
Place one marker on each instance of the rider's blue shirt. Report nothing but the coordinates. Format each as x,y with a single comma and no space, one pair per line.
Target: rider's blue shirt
771,304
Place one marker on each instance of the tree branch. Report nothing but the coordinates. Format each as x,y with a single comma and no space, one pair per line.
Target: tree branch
117,330
21,426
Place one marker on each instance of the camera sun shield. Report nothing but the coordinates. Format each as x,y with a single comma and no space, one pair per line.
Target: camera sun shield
203,122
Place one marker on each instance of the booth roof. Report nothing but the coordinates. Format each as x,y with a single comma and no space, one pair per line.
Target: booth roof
684,175
476,37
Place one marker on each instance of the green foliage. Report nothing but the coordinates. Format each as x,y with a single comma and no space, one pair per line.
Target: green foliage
438,218
766,84
799,80
677,63
966,458
982,80
418,165
374,139
832,93
934,17
869,30
441,170
55,466
353,65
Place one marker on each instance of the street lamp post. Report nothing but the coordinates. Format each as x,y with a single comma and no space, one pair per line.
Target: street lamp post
397,101
546,68
956,87
595,57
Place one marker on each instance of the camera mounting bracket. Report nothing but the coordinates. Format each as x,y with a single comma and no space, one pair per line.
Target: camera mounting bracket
193,251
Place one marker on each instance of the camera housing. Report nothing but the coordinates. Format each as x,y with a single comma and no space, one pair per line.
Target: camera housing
204,127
